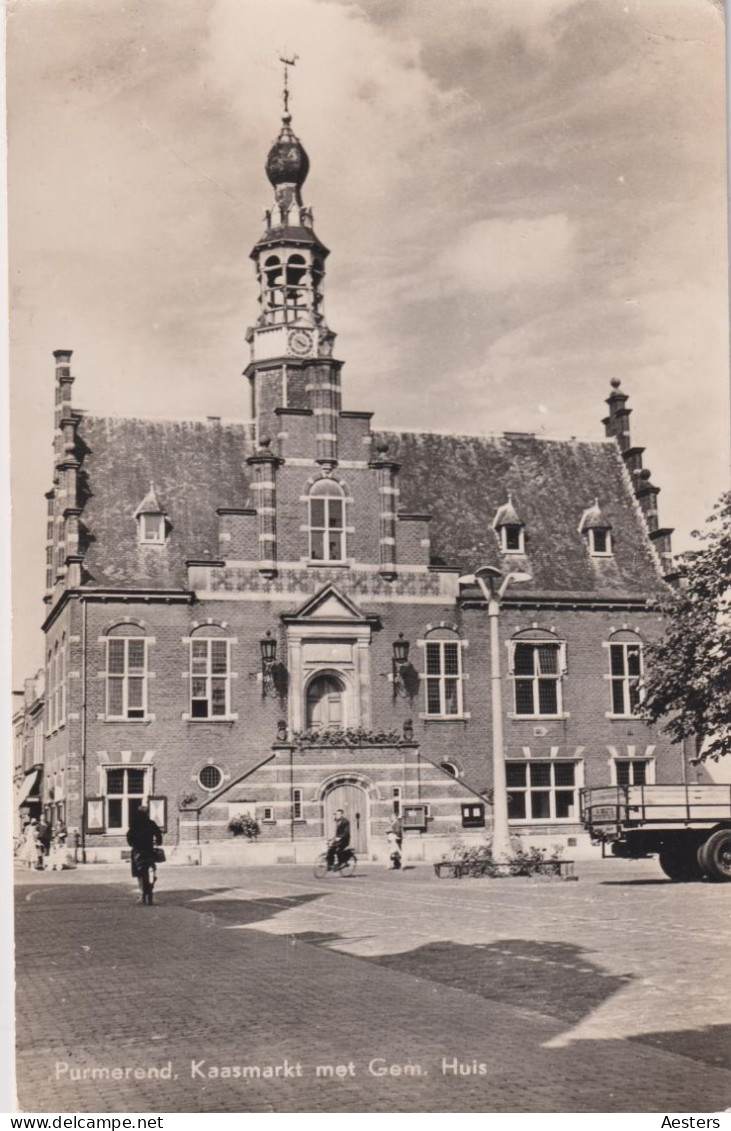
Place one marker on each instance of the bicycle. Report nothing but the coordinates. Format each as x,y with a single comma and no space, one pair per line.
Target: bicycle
146,872
346,868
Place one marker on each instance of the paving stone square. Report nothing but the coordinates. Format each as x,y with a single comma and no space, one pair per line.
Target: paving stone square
264,989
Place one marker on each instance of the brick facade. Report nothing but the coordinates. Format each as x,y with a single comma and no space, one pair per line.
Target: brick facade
307,530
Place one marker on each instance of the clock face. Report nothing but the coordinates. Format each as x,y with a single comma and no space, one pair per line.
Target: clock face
300,342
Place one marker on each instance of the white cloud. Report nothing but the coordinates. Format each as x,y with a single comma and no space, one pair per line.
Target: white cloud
496,255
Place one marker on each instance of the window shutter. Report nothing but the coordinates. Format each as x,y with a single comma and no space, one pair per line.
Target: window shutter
94,816
563,658
159,812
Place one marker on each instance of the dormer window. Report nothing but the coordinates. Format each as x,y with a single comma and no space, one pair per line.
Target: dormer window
597,531
509,529
599,542
512,537
152,526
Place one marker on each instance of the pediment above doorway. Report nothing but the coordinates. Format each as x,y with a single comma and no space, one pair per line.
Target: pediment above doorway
330,605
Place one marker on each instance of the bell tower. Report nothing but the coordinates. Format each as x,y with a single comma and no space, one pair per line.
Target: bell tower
291,364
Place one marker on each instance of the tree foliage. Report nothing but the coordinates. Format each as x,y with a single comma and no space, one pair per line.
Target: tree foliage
688,682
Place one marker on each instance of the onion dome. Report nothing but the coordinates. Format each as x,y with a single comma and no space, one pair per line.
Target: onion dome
287,162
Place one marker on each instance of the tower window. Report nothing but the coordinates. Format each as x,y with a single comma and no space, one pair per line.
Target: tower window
327,522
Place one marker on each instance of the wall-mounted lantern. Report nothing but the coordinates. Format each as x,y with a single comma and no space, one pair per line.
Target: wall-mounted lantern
268,646
400,664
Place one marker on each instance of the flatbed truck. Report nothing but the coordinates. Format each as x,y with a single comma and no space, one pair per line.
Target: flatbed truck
687,826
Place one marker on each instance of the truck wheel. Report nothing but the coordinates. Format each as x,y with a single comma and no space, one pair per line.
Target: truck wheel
680,866
715,856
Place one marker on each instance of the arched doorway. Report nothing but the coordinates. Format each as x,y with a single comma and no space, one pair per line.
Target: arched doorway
325,696
353,800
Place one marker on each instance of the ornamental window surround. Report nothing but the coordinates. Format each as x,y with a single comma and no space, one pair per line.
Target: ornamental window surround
325,702
537,664
127,787
543,790
626,668
326,522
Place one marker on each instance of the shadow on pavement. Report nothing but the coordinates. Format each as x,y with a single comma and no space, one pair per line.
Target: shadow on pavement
710,1045
551,978
238,912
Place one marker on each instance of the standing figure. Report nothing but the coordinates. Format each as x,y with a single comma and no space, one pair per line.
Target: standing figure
142,836
395,838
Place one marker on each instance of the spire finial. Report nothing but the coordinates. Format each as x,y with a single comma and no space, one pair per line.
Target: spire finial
285,93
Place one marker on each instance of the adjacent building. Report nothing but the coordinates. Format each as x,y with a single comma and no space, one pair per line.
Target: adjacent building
274,617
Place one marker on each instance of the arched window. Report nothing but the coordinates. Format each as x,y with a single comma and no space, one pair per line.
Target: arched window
449,768
296,280
537,664
325,700
210,673
327,522
443,676
273,274
625,672
126,674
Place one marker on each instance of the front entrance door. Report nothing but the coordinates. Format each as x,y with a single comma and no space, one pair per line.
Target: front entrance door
353,800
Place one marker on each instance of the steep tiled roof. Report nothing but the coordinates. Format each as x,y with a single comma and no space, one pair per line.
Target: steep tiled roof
195,466
462,481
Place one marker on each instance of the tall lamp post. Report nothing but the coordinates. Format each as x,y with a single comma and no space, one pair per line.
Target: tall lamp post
488,580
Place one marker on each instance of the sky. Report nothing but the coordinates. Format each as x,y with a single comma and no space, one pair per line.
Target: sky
522,201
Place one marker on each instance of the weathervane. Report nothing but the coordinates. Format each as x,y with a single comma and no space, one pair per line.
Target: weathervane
287,63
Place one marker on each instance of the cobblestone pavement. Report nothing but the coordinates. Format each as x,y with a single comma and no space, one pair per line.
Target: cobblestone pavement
267,990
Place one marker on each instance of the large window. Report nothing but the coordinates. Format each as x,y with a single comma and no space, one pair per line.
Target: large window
327,522
536,667
541,791
126,790
443,677
625,674
210,678
126,677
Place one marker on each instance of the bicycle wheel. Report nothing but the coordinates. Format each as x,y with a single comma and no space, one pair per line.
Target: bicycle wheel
347,868
148,884
320,868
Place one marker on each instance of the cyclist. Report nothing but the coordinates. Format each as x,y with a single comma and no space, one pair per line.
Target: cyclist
142,837
340,843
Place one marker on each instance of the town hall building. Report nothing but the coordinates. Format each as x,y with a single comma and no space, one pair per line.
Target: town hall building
277,617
